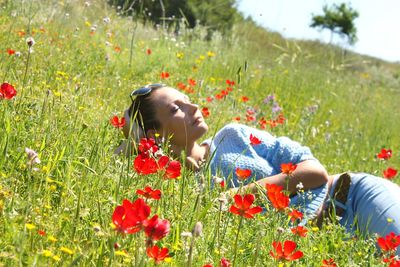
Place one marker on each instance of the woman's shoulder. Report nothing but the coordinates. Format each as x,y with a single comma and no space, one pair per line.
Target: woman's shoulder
230,134
234,128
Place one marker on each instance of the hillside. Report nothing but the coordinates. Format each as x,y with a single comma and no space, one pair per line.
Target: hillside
77,73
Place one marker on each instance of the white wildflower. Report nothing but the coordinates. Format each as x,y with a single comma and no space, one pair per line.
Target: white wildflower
32,157
216,179
186,234
299,186
106,20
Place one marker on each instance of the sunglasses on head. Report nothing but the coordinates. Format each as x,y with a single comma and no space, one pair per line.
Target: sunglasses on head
145,90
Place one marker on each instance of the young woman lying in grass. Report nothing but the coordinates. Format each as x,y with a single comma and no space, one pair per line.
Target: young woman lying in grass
363,204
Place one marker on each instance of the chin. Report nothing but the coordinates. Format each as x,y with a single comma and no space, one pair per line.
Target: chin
202,129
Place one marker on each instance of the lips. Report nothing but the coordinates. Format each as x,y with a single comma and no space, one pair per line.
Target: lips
197,120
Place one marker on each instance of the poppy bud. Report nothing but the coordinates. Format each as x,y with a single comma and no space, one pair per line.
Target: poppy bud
30,41
198,229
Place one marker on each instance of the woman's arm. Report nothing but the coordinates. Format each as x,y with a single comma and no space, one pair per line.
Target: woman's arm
309,172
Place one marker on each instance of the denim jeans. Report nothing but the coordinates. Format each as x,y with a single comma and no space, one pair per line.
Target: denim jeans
372,207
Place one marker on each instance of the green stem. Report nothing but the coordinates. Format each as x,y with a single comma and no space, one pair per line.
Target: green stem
236,240
26,67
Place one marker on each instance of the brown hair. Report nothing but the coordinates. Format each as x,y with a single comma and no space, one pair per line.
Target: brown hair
142,113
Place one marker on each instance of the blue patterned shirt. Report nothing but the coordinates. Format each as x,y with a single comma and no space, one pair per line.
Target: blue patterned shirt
230,148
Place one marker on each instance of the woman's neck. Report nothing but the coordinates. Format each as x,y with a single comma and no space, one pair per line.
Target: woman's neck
195,154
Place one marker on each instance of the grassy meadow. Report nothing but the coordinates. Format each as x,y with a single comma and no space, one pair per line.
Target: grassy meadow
78,75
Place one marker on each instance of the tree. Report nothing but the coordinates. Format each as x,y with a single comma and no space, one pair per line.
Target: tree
338,19
214,15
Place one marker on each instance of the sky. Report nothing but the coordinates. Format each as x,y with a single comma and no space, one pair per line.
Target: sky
378,24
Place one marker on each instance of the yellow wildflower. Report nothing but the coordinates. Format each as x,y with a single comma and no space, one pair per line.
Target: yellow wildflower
52,239
56,258
53,188
168,260
179,55
66,250
390,220
30,226
210,54
121,253
47,253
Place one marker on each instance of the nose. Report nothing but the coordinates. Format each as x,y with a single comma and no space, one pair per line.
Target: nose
193,107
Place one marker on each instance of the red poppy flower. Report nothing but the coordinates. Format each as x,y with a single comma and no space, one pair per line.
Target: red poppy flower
254,140
250,111
209,99
148,51
7,91
130,217
173,170
21,33
224,92
237,118
385,154
205,112
164,75
229,89
295,215
243,174
149,193
328,263
208,265
192,82
156,229
277,197
42,232
219,96
230,83
172,167
181,85
118,123
250,118
281,119
392,260
287,252
145,165
147,146
273,188
10,51
117,49
242,207
244,99
389,173
225,263
300,231
389,242
288,168
157,254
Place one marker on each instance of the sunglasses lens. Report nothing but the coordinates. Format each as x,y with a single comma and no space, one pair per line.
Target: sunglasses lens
141,91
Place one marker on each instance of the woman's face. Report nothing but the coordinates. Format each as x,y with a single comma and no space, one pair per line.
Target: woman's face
180,119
